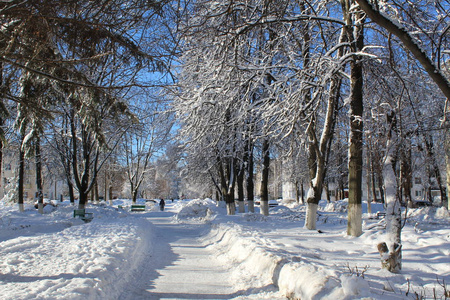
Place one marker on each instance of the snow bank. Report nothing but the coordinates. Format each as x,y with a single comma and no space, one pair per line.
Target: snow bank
429,214
304,264
336,206
199,210
68,259
256,262
54,256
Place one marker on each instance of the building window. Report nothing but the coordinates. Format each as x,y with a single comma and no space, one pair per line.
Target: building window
417,180
8,167
418,193
332,193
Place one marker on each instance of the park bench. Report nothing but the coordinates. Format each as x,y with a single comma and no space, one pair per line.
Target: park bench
381,214
83,215
137,207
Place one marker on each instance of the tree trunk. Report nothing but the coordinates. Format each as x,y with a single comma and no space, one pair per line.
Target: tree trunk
2,122
229,200
369,185
250,179
264,206
393,261
302,192
371,167
89,162
71,192
96,198
311,215
110,195
38,161
83,200
315,187
240,186
327,192
447,160
374,188
381,187
21,179
406,176
134,193
355,21
83,186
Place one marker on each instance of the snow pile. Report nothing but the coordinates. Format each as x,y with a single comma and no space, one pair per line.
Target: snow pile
305,281
429,214
199,210
281,211
334,206
355,286
68,258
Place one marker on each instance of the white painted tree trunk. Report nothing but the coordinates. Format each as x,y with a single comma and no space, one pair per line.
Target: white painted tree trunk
241,206
231,209
311,216
21,207
251,206
369,206
354,218
264,206
41,208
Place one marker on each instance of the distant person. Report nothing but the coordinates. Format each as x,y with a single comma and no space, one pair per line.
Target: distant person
161,204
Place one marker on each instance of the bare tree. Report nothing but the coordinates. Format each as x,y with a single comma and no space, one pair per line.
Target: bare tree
142,141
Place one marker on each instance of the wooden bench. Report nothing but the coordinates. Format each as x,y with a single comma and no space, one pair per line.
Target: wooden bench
381,214
83,215
137,207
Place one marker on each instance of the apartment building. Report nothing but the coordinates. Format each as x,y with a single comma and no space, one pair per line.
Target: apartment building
9,175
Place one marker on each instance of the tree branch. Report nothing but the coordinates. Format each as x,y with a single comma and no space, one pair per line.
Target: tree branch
407,40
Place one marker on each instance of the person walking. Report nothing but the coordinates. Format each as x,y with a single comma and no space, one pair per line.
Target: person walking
161,204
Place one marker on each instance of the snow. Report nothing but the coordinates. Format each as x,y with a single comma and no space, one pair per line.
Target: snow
193,250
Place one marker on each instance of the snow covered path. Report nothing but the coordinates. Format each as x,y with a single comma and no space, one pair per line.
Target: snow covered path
195,251
180,265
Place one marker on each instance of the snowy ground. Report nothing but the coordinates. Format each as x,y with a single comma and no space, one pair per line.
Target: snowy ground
194,251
